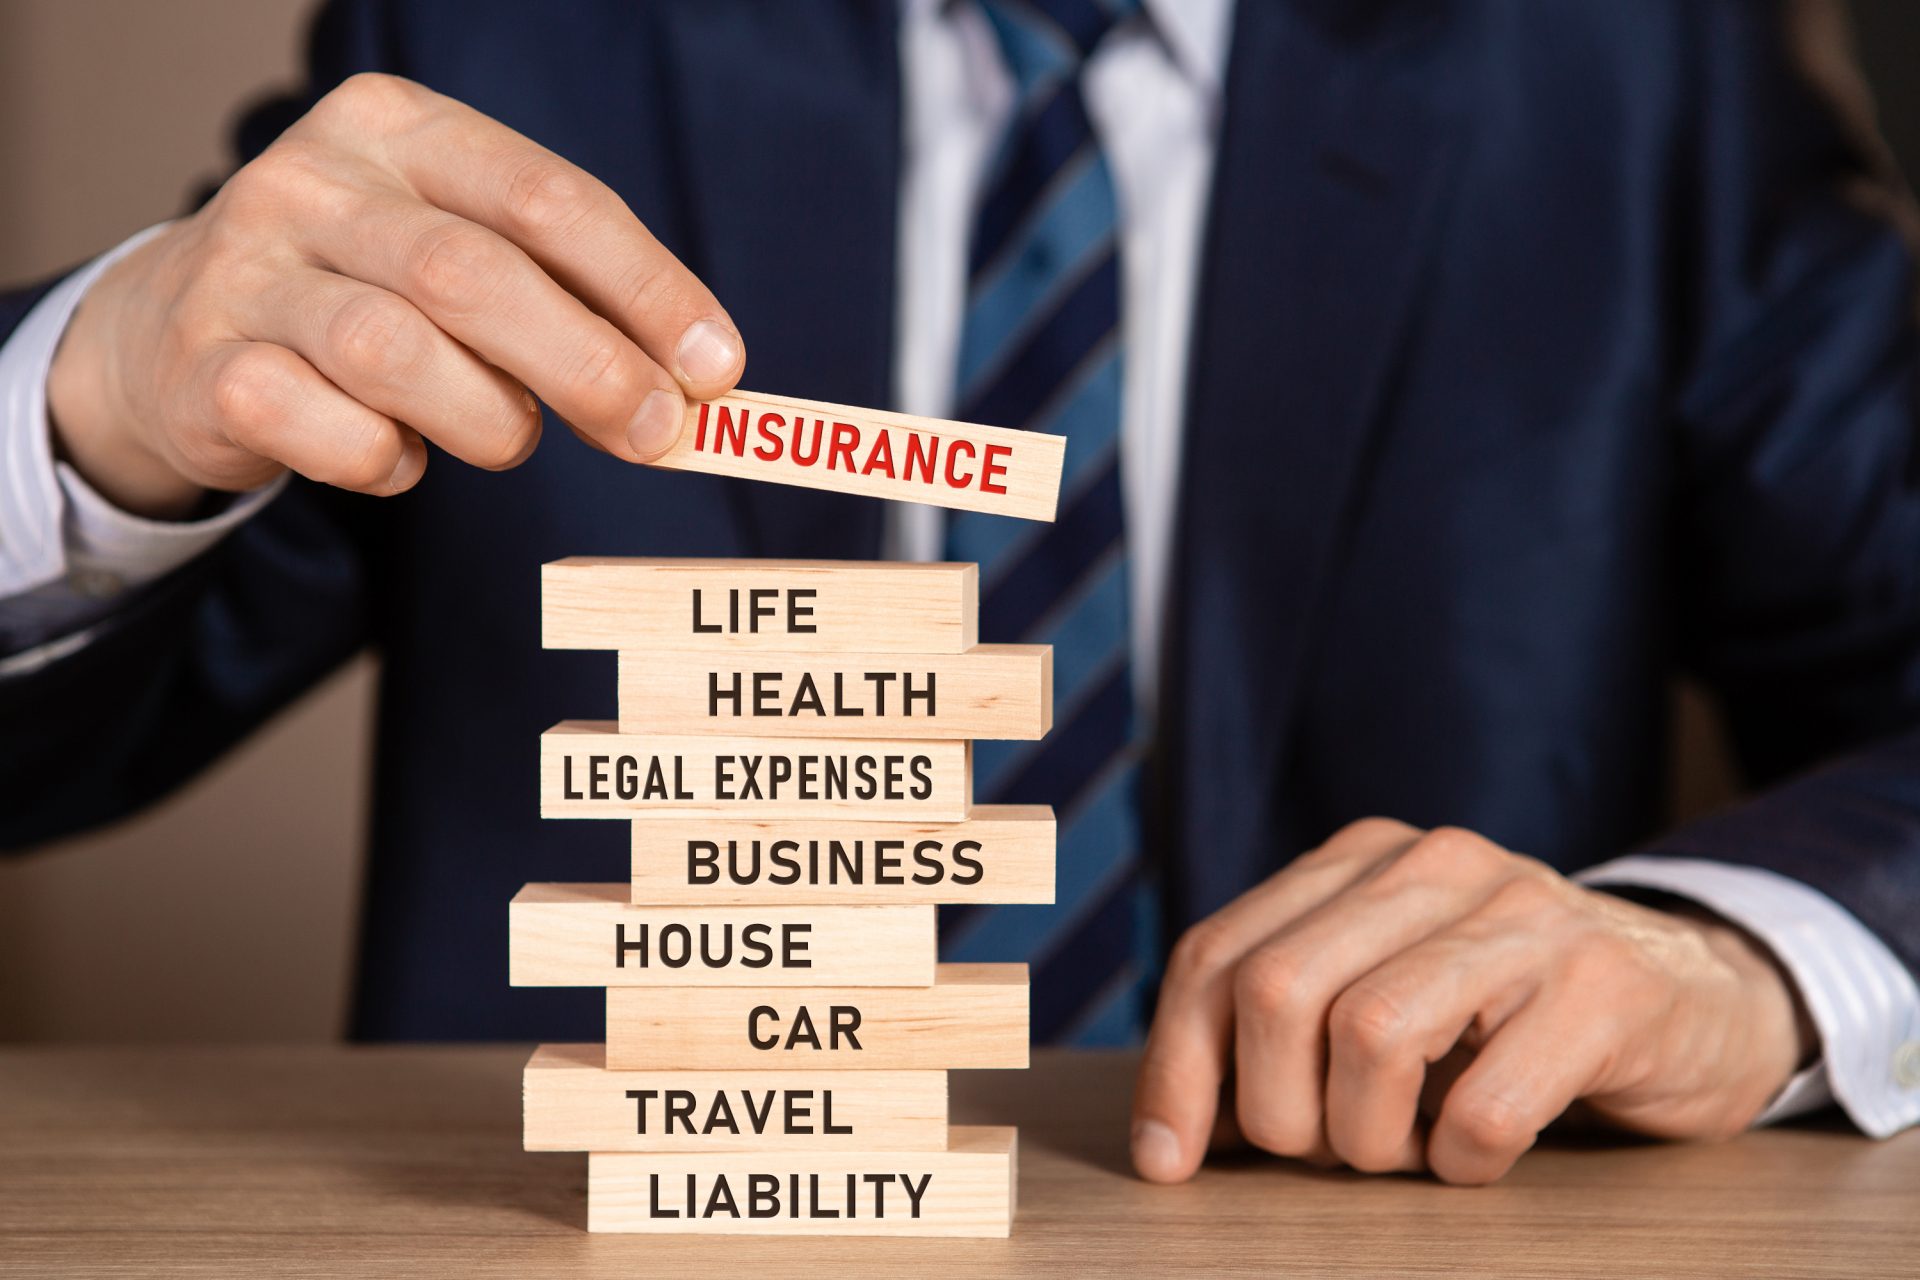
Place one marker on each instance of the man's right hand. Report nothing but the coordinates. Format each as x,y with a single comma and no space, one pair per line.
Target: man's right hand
395,267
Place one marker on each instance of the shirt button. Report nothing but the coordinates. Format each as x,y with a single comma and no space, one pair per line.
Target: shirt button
95,584
1906,1064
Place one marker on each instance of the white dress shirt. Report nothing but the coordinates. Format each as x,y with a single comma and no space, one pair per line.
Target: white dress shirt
1154,92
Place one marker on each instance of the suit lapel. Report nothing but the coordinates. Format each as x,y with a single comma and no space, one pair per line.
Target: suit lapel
792,140
1330,173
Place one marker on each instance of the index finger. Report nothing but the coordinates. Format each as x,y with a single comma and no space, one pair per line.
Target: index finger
1177,1097
578,229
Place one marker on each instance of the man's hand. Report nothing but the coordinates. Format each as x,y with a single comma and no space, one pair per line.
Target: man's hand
1322,999
395,266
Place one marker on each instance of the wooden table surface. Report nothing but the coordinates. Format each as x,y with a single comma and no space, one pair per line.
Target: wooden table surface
407,1161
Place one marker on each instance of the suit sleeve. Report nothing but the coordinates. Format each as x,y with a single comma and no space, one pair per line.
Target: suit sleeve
1797,583
185,667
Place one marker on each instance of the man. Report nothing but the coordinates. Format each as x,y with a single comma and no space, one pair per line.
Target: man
1438,380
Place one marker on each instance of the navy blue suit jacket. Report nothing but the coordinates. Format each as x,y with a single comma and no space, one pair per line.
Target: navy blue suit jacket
1537,355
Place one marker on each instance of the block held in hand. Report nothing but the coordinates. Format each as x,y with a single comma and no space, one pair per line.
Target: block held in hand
961,465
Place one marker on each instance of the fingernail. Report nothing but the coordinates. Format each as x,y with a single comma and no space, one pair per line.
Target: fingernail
412,465
1156,1152
657,425
708,352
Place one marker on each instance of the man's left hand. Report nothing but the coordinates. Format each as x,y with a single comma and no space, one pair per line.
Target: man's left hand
1318,1006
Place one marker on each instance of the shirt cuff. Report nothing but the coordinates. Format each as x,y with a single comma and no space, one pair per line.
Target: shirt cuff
65,551
1862,1000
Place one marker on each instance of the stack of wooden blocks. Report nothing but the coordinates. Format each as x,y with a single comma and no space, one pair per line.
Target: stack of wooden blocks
794,753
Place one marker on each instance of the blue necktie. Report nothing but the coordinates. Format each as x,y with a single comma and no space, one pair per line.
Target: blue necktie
1040,350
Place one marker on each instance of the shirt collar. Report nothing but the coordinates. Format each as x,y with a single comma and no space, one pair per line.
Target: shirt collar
1196,33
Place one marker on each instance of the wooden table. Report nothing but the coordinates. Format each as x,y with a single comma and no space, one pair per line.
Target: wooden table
407,1161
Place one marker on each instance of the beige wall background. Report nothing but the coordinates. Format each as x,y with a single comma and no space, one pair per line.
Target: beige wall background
228,912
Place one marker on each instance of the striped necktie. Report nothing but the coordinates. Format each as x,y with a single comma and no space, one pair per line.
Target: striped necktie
1040,350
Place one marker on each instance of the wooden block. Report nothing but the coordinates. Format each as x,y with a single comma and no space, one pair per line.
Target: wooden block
868,451
990,691
761,606
589,769
589,935
975,1015
573,1103
966,1190
1001,853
